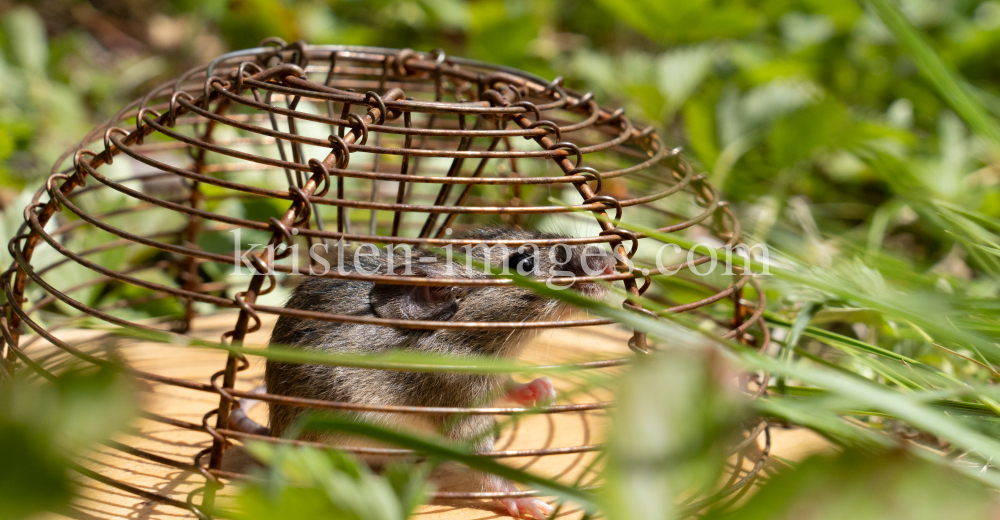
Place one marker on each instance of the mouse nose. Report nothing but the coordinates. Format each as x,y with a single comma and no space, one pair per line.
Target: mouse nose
601,264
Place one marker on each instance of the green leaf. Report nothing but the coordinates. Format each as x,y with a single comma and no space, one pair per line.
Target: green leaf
680,71
43,424
436,448
34,474
305,482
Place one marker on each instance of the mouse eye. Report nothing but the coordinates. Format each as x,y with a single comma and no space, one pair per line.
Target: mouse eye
524,263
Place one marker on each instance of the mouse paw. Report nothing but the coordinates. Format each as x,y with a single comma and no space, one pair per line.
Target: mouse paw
539,391
525,507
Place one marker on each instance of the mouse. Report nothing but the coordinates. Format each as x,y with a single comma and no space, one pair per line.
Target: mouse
429,302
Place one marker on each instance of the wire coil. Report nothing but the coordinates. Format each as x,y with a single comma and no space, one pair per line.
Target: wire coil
425,125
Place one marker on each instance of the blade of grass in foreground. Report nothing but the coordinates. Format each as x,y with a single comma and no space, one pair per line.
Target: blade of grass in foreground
395,360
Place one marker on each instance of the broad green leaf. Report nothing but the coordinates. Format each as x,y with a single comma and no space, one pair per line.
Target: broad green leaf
305,482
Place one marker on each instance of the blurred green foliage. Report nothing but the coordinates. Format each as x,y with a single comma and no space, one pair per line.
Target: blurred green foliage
310,483
775,99
858,485
44,424
664,447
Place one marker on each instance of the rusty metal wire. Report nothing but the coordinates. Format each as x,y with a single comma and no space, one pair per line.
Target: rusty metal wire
421,143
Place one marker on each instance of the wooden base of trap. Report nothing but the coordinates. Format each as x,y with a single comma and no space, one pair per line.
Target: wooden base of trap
98,500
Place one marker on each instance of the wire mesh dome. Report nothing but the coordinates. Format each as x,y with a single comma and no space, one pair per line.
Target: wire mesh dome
302,144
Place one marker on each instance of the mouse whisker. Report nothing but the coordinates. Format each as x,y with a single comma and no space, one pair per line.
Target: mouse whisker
520,337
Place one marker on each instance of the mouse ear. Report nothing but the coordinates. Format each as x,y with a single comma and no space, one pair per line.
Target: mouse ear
413,302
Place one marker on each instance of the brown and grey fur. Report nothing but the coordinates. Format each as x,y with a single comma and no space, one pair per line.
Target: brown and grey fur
358,385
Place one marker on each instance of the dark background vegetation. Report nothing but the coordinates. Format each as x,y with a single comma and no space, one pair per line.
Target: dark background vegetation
772,99
859,140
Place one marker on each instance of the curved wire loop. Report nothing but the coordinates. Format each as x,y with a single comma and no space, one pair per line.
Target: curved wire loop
399,61
273,40
553,85
587,171
546,124
359,126
338,143
50,189
276,42
637,344
81,173
570,147
108,153
139,121
612,117
300,56
371,95
624,234
241,72
303,217
583,100
607,200
494,98
320,169
195,510
207,90
280,227
172,118
241,303
530,106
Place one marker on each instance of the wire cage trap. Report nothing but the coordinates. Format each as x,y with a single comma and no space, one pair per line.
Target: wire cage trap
369,146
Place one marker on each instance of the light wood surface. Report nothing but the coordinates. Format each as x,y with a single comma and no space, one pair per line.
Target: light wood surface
100,501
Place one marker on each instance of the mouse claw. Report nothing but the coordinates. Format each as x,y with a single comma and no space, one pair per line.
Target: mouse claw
525,507
537,392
